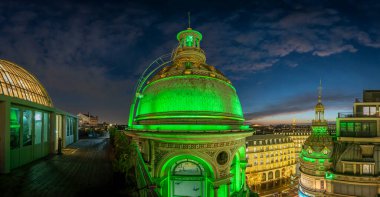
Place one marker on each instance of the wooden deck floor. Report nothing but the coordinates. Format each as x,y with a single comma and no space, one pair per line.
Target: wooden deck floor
83,169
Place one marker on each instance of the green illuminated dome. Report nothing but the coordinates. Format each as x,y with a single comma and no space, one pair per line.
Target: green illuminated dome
189,91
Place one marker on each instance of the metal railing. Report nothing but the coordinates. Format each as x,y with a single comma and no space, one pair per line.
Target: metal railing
148,186
358,134
356,115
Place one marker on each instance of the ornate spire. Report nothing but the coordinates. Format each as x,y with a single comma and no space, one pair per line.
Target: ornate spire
320,92
319,120
188,50
188,15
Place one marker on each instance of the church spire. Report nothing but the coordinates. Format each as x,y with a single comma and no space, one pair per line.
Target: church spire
320,92
188,15
189,51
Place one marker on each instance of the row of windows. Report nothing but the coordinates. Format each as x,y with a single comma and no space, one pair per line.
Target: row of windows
273,154
358,126
261,149
269,161
358,168
28,127
358,129
271,141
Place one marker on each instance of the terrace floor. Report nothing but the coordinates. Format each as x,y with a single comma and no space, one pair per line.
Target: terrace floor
83,169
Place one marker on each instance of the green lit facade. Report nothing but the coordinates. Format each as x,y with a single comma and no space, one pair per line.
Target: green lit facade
315,157
188,123
348,162
29,124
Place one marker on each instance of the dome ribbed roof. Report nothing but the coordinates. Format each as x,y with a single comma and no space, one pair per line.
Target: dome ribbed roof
189,91
15,81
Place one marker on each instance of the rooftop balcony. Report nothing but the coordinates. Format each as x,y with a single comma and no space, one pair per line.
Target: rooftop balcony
357,115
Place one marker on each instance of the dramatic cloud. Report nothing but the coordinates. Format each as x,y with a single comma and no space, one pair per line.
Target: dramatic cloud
76,54
300,103
90,55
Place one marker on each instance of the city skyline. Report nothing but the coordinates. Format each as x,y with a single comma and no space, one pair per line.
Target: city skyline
89,56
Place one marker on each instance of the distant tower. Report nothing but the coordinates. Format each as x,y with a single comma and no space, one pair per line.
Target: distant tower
316,154
294,124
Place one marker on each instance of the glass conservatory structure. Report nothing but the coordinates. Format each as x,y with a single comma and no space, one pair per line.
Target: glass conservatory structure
29,124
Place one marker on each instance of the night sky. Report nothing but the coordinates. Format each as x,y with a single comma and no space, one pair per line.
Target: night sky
89,55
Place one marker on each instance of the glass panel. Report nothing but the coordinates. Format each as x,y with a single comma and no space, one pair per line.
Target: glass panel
358,126
46,126
366,111
366,169
15,128
373,127
27,128
72,126
343,126
37,127
187,168
365,126
372,110
187,188
350,126
67,126
189,41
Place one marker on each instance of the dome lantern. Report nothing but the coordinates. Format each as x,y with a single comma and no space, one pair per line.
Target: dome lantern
188,94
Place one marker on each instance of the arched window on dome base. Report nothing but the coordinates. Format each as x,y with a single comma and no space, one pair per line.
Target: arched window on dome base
186,175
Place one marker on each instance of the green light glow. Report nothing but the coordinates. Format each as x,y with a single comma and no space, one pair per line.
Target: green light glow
190,94
308,159
321,160
189,31
194,127
189,41
14,120
319,129
329,176
167,168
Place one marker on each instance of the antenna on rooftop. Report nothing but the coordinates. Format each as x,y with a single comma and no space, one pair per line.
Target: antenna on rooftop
188,15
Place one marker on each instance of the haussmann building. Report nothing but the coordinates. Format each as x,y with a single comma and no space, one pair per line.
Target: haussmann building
347,163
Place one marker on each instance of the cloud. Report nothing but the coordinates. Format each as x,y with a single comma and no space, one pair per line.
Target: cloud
300,103
78,54
267,38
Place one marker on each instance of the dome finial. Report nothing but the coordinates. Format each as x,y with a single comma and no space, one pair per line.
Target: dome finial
188,16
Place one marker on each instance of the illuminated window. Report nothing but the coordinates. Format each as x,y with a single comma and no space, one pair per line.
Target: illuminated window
15,128
27,128
367,169
189,41
188,168
46,127
37,127
369,110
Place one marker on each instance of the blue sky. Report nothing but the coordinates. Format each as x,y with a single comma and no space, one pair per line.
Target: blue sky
89,54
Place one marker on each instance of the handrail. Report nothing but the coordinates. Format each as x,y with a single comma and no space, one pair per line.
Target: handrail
152,191
156,64
356,114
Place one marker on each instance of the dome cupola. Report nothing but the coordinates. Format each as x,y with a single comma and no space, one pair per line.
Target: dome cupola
188,94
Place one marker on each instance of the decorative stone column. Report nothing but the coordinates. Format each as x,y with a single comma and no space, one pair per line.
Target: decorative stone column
5,137
216,191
